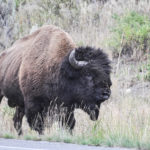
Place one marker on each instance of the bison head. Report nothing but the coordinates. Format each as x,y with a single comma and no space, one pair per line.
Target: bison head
85,79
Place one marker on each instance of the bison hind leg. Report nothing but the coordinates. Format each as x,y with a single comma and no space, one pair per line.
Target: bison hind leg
18,119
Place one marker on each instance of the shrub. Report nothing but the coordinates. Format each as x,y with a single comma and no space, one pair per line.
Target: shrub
131,34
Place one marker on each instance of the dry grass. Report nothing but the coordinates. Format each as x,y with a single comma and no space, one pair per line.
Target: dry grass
124,119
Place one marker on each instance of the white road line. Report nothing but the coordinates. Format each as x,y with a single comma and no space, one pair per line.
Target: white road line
20,148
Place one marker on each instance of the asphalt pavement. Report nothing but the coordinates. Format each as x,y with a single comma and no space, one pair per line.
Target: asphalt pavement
12,144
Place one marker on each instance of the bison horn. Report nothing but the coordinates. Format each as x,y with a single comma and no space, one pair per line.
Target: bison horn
75,63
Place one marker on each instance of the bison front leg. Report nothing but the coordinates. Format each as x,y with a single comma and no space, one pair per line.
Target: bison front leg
68,121
18,119
34,117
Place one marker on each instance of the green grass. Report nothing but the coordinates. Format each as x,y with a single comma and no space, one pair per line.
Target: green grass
32,137
8,136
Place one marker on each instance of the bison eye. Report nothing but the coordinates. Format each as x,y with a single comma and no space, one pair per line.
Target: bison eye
105,85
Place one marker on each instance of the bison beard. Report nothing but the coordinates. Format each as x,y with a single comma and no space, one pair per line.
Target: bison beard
46,69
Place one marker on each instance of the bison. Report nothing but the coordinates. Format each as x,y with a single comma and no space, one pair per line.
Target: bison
45,69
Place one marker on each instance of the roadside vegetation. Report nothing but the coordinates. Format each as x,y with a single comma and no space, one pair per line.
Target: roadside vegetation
122,29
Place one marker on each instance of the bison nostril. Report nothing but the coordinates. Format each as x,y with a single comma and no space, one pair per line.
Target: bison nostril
106,93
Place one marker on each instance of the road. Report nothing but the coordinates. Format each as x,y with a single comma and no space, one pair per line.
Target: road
11,144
